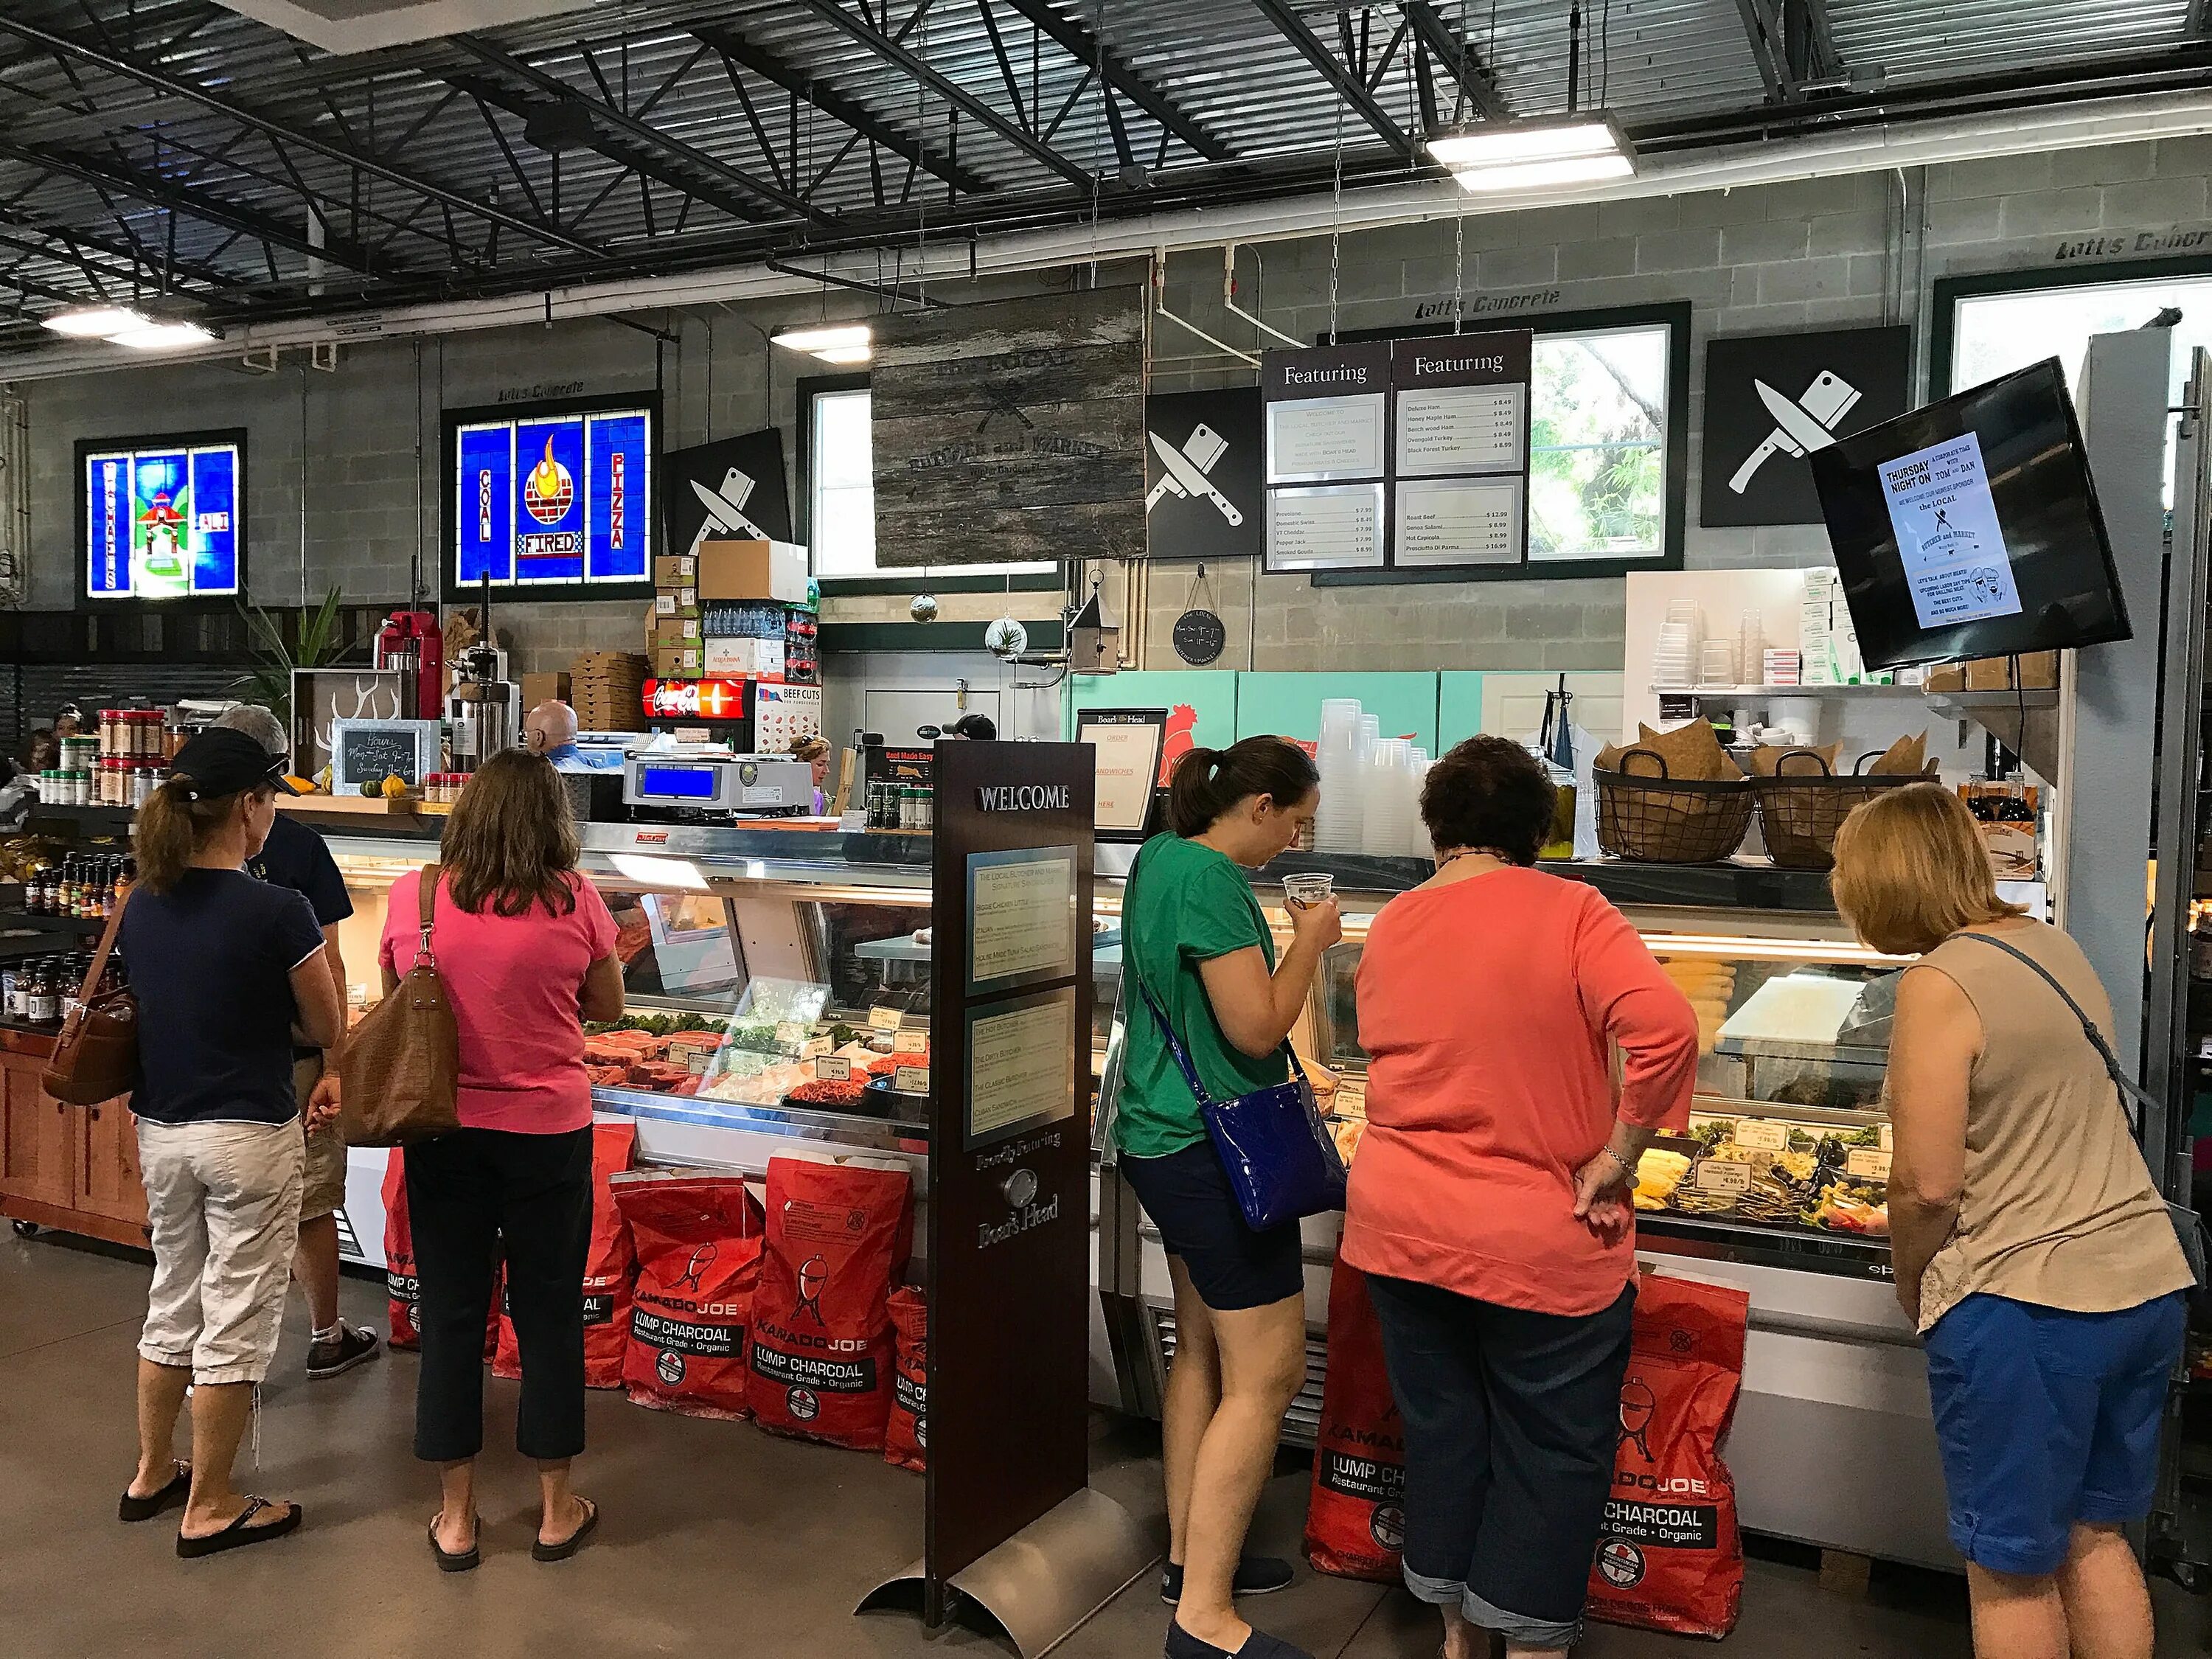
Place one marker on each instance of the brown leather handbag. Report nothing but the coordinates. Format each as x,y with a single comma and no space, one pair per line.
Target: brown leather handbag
399,1081
96,1057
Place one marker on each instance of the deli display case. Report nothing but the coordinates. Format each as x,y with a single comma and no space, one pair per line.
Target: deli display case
1778,1187
776,989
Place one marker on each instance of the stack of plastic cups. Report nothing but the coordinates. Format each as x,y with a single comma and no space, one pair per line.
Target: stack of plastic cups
1336,825
1390,797
1417,834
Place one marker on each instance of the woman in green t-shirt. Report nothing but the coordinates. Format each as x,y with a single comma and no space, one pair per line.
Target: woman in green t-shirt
1194,937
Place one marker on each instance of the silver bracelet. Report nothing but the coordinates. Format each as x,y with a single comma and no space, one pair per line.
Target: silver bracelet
1620,1162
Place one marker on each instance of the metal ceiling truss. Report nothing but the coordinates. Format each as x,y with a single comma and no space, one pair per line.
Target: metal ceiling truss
865,33
253,176
1439,40
740,53
1352,87
1792,44
71,51
524,90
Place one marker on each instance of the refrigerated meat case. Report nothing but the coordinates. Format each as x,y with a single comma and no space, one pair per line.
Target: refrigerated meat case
1833,1443
744,953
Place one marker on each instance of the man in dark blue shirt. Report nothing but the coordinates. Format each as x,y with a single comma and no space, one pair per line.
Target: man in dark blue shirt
295,856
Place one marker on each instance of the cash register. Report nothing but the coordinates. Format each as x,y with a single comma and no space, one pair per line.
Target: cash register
705,783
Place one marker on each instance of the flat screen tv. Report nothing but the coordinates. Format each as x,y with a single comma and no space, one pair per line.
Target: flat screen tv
1970,528
162,518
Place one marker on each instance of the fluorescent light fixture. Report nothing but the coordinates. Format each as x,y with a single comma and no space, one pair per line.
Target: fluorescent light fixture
161,336
1536,175
846,353
1514,146
831,337
94,322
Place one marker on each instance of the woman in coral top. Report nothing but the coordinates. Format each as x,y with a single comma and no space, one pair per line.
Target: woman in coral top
1489,1205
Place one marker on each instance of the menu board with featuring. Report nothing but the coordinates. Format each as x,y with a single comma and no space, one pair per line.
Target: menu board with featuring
1408,454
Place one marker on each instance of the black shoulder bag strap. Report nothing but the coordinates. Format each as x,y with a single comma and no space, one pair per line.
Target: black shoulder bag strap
2188,1229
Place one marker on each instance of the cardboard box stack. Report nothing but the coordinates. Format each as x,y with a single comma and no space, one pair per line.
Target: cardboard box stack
610,691
671,621
2038,671
756,616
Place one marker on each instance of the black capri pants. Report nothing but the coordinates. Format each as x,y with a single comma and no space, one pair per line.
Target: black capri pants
1511,1420
468,1194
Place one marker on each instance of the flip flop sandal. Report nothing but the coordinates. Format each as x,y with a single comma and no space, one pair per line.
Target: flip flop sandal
145,1508
457,1560
574,1542
240,1534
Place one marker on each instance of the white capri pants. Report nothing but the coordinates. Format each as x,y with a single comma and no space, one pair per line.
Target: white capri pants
222,1204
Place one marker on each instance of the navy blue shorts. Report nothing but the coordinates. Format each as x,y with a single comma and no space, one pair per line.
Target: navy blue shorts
1187,1195
2046,1418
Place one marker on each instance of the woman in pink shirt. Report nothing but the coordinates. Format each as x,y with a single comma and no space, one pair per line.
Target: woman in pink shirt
1490,1201
526,948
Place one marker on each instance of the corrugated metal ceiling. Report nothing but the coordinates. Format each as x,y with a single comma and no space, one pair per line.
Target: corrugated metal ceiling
699,132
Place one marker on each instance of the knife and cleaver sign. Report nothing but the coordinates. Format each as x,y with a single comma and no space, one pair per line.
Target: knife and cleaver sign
1800,428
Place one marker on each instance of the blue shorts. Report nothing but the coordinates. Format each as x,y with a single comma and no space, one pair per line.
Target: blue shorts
2045,1417
1188,1197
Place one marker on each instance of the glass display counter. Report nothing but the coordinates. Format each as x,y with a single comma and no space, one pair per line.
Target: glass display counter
1778,1186
1786,1160
775,982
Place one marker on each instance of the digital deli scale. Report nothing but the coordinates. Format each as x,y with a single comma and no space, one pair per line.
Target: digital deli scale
693,782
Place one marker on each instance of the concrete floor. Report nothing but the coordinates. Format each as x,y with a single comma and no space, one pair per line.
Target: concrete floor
717,1538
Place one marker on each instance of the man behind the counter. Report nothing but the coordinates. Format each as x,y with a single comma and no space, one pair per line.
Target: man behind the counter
295,857
550,730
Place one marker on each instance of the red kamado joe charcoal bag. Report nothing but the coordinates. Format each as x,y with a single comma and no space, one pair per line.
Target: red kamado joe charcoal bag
1356,1515
819,1353
698,1240
399,1281
607,1272
906,1436
1670,1558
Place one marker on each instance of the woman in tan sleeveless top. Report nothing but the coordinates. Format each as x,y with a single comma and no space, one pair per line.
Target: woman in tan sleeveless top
2032,1249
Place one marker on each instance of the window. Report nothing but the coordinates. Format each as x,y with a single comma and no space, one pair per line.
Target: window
840,501
2000,324
1597,444
841,493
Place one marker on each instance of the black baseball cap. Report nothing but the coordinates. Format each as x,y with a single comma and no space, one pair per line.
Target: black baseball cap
220,761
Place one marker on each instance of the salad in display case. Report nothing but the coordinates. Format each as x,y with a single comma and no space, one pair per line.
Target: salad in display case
1786,1158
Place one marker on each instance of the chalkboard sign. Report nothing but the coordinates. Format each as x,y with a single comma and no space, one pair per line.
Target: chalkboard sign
369,751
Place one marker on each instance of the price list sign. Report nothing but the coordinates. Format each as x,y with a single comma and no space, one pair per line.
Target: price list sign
1408,454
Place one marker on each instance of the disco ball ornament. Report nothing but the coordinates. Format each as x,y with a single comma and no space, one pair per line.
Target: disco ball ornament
922,607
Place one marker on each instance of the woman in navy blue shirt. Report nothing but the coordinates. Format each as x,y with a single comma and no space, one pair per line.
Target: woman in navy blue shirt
224,967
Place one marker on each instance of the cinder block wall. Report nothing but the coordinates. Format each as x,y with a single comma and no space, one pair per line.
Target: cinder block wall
344,466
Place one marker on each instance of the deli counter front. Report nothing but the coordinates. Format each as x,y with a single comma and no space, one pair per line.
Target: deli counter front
1779,1188
753,955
